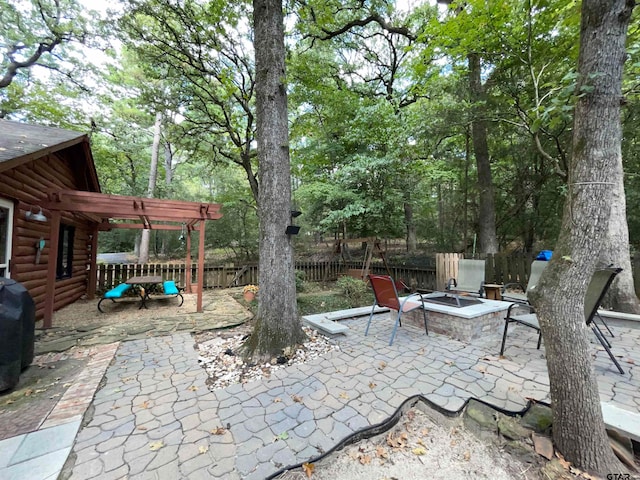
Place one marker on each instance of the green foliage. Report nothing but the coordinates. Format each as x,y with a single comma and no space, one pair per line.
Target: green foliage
309,304
301,284
356,291
379,121
43,69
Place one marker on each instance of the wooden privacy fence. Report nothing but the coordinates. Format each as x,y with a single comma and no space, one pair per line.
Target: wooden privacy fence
499,268
504,268
110,275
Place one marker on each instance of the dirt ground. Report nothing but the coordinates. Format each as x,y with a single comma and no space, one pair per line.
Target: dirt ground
423,445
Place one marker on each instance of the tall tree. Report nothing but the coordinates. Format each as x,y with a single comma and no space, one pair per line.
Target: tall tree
143,255
366,55
200,50
486,201
578,426
31,31
278,327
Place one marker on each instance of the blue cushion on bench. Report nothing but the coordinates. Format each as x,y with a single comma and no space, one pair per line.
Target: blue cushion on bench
117,292
170,288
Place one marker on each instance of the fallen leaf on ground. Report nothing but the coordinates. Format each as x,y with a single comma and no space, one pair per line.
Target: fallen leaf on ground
365,459
382,365
193,388
156,445
296,398
308,469
344,395
562,461
203,449
372,385
411,415
542,445
144,404
219,431
277,400
467,456
397,441
419,451
381,452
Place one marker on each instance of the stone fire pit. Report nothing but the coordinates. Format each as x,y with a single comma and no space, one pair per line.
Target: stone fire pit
475,318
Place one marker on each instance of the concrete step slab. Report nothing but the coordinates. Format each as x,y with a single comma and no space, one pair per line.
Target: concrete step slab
624,421
328,322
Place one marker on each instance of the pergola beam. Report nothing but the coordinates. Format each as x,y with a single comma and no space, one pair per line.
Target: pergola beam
106,226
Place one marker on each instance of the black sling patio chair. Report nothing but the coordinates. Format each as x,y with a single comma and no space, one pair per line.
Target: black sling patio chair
597,289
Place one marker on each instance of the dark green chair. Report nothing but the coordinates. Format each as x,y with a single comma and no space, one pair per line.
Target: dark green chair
598,287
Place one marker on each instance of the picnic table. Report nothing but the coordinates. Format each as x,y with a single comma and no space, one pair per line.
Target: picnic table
146,283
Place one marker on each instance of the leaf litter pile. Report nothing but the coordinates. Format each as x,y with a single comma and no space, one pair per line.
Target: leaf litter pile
419,448
219,354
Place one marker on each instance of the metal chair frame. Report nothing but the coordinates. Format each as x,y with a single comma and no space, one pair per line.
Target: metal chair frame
386,295
598,287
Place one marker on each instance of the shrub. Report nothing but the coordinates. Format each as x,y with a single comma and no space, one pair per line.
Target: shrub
355,290
301,284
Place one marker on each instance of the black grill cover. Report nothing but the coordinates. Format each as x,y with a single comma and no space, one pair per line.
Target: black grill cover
17,331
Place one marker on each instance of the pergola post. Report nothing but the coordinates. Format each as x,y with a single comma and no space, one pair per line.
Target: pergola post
187,261
200,267
93,268
52,266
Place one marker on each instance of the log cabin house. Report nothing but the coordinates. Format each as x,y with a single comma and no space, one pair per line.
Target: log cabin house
51,211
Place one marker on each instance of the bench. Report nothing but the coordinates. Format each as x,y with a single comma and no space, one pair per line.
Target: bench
115,292
170,289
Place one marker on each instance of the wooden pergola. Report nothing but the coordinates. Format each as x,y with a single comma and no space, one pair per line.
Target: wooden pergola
114,211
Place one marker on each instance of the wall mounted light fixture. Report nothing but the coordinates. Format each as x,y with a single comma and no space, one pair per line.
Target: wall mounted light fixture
35,216
293,229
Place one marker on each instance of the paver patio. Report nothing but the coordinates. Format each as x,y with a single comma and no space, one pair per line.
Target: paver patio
155,392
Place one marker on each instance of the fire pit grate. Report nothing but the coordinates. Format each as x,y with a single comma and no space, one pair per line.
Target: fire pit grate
456,302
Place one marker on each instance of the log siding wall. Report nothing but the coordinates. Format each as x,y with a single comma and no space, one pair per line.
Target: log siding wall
27,186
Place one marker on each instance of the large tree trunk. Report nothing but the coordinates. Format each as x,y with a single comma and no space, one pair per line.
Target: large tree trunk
578,427
143,256
168,179
278,327
486,207
622,296
410,224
